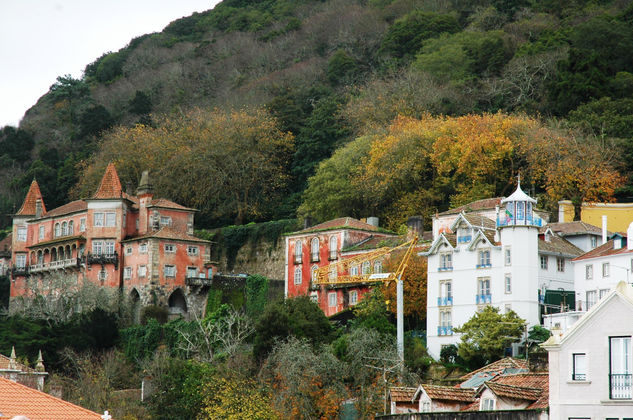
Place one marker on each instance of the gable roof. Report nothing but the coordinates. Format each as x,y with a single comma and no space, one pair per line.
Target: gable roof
17,399
473,220
449,239
514,392
498,367
558,245
604,250
573,228
28,206
110,186
72,207
402,394
483,235
167,232
485,204
342,223
165,203
449,393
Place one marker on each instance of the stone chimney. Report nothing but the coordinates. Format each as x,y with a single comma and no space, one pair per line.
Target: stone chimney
38,208
145,194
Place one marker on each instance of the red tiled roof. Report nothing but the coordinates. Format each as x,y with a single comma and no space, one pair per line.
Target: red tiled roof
341,223
4,364
168,233
477,220
17,399
28,207
572,228
604,250
403,394
449,393
72,207
110,186
558,245
498,367
163,202
515,392
485,204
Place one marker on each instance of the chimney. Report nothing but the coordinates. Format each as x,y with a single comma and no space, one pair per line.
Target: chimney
38,208
629,237
604,228
372,221
414,227
307,222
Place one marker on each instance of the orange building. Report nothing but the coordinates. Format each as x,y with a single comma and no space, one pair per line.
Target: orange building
139,244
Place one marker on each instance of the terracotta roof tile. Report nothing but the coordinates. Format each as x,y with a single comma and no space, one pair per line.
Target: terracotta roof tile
485,204
4,364
163,202
341,223
604,250
449,393
572,228
374,242
558,245
17,399
28,207
528,379
110,186
498,367
404,394
515,392
168,233
72,207
480,221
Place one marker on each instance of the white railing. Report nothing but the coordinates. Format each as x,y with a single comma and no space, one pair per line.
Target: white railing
53,265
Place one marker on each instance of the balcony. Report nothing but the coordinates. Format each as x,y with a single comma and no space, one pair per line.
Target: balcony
445,301
620,386
103,259
198,281
482,299
445,268
445,330
55,265
19,271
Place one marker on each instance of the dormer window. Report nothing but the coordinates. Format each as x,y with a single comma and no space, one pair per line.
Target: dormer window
464,235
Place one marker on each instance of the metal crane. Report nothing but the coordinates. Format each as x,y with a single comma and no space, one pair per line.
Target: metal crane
329,275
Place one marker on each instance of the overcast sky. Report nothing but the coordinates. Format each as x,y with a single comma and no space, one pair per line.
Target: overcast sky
43,39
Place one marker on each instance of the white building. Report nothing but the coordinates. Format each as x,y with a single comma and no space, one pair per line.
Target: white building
591,365
507,262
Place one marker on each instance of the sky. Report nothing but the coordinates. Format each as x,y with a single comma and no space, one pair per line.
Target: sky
43,39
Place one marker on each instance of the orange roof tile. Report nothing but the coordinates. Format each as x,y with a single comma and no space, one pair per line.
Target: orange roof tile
110,186
498,367
515,392
404,394
72,207
485,204
4,364
436,392
28,207
168,233
17,399
538,380
340,223
163,202
604,250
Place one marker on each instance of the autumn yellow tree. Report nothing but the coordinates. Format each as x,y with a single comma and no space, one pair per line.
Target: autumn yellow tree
235,399
233,166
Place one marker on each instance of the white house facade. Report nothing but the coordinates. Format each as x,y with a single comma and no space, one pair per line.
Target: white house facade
509,262
591,365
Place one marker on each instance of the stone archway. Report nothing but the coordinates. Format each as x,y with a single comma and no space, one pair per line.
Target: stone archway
135,305
177,303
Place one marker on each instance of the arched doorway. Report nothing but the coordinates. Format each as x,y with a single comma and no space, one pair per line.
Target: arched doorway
135,303
177,303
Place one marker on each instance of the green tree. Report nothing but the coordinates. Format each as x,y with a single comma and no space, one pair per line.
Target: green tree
140,104
341,68
94,120
487,334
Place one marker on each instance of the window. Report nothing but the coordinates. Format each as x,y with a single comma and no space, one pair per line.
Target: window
171,248
82,224
487,404
333,247
297,275
142,270
71,227
483,290
41,232
621,368
103,275
426,407
314,250
165,221
605,269
508,256
331,299
98,220
508,283
109,247
313,274
192,250
544,262
446,293
484,258
560,264
591,298
20,260
366,267
64,229
589,271
579,367
22,233
110,219
192,272
298,252
446,322
97,247
377,267
464,235
170,271
353,297
128,250
594,242
127,273
353,270
446,261
57,230
602,293
142,248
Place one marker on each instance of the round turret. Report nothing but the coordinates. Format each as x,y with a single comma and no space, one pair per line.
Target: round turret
518,210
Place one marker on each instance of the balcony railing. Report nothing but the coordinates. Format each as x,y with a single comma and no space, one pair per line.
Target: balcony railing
55,265
445,301
445,330
620,386
481,299
103,259
19,271
198,281
445,268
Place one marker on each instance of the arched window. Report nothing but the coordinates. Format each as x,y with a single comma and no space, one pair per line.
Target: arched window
366,267
377,267
298,252
71,228
333,248
64,229
298,275
314,250
313,274
353,270
58,230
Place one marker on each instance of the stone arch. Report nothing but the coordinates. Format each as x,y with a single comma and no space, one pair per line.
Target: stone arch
177,303
54,254
135,305
71,228
40,257
67,253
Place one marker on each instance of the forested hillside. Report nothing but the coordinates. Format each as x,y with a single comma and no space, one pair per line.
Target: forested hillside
420,105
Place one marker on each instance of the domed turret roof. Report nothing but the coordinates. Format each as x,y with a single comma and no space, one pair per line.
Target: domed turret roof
518,195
